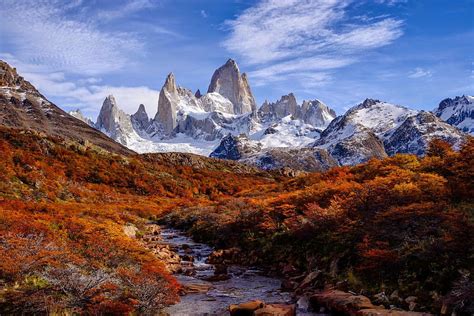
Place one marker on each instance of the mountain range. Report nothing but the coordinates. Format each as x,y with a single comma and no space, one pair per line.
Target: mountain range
226,123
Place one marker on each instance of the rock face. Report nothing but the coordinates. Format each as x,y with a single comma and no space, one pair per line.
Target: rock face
414,135
458,112
167,105
114,122
314,112
285,106
235,148
22,106
228,82
140,120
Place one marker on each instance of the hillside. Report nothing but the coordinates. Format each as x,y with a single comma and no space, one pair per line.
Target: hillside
63,207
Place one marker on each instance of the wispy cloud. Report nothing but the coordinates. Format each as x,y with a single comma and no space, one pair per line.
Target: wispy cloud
282,37
130,7
391,2
86,94
44,32
204,14
419,72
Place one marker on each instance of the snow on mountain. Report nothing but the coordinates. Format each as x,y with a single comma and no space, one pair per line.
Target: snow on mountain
374,129
224,123
414,135
458,112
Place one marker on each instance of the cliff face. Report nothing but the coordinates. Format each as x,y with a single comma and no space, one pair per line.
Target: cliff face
228,82
167,105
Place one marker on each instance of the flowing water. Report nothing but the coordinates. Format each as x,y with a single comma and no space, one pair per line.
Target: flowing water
244,284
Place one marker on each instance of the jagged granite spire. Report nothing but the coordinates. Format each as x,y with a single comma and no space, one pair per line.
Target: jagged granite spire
228,82
114,122
167,102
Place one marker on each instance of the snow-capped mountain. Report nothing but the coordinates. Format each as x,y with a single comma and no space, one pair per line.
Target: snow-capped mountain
375,129
458,112
314,113
225,123
192,122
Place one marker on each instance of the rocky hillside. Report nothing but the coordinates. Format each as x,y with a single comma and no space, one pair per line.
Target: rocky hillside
23,107
375,129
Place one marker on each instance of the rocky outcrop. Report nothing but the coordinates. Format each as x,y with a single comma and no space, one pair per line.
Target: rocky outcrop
458,112
235,147
228,82
167,105
343,303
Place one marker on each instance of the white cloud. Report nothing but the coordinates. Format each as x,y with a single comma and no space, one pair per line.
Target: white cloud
204,14
44,32
127,9
391,2
84,94
279,37
419,73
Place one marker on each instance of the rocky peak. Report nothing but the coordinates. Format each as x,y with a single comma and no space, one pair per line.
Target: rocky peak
108,114
458,112
370,102
198,94
234,86
140,119
170,83
285,106
316,113
167,105
113,121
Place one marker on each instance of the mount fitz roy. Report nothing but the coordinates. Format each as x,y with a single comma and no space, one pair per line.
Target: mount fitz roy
226,123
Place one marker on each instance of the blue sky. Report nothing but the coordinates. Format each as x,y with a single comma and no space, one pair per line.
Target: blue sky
409,52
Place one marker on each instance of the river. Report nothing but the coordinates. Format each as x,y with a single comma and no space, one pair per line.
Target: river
243,285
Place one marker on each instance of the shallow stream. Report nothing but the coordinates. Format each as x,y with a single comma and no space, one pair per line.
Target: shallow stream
244,284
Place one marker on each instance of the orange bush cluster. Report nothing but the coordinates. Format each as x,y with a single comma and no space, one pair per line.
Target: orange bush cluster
400,223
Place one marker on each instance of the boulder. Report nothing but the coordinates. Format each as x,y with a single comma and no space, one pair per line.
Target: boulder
245,309
276,310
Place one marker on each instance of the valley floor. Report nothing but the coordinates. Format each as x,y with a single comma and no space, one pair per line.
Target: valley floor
397,230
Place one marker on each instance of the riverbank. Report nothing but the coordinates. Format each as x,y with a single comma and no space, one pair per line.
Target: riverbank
211,284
